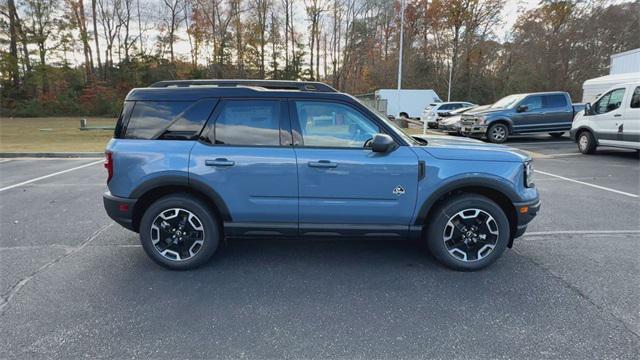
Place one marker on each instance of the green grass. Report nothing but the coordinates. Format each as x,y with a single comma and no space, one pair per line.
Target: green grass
54,134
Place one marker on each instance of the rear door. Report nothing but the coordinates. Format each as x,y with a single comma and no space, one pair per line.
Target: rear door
531,119
557,113
245,155
344,187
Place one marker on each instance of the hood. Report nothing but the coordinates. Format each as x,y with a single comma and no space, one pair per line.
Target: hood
450,148
451,120
485,110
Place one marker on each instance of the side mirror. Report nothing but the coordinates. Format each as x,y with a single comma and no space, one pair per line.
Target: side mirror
522,108
588,110
382,143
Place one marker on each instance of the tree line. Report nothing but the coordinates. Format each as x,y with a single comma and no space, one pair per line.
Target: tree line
72,57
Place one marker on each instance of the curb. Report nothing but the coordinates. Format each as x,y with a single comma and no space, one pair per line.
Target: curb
62,155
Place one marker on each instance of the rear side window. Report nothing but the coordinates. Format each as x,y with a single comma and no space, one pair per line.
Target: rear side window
248,122
554,101
168,119
635,98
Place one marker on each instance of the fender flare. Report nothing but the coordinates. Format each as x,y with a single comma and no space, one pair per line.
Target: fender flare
501,119
574,132
183,180
489,183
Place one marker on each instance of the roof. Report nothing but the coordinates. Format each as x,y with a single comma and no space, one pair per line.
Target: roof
612,79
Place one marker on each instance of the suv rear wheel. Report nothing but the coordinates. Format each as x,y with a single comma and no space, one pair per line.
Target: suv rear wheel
179,232
497,133
586,142
468,232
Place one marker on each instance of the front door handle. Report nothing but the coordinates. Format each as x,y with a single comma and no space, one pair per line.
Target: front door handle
219,162
323,164
617,115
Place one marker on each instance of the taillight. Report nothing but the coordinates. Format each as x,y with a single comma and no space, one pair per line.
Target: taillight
108,164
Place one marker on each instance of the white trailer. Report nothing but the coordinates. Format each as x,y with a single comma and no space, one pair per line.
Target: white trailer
407,101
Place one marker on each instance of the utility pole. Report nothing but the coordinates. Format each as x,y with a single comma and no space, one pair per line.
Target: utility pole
401,44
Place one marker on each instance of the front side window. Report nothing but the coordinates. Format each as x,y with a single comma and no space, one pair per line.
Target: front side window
635,99
609,101
532,103
328,124
248,122
554,101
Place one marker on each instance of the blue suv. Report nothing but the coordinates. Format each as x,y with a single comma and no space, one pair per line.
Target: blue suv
195,161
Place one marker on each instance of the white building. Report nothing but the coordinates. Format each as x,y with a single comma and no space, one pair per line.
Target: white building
625,67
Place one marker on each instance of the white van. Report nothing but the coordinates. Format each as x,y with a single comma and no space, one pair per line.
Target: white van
612,120
407,103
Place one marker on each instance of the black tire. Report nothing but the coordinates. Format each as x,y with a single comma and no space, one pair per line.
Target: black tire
556,135
450,210
210,235
497,133
404,115
586,142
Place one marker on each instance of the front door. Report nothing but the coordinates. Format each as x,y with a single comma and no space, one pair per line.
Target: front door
341,181
530,119
608,117
249,161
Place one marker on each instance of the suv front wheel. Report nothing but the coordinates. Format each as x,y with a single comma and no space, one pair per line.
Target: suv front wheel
179,232
468,232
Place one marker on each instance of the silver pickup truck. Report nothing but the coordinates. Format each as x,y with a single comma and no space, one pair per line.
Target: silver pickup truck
549,112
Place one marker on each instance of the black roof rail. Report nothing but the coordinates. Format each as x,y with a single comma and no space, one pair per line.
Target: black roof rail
268,84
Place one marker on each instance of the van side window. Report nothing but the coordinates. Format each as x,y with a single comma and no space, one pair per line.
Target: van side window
609,102
248,122
635,99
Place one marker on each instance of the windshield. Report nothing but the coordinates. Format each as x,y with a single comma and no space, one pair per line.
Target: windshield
506,102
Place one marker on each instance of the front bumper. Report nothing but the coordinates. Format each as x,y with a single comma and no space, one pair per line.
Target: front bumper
119,209
449,128
525,217
473,129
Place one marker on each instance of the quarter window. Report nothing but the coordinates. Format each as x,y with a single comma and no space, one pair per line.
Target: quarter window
248,122
635,99
609,102
150,117
333,125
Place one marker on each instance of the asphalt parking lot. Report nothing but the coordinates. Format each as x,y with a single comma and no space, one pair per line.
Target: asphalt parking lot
74,284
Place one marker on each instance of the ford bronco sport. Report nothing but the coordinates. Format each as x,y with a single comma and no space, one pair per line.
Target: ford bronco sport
195,161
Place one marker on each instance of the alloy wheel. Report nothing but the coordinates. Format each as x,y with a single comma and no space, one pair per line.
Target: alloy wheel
177,234
470,235
498,133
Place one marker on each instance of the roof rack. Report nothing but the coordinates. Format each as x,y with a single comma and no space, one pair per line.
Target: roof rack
268,84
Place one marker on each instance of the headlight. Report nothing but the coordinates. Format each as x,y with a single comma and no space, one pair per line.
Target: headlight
480,120
528,174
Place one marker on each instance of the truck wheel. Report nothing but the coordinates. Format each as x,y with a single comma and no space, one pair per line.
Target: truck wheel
468,232
556,135
586,142
179,232
497,133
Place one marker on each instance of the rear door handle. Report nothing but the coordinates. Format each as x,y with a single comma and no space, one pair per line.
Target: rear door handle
219,162
323,164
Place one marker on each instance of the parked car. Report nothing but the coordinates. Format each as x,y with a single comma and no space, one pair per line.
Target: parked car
450,122
612,120
549,112
193,162
407,103
431,112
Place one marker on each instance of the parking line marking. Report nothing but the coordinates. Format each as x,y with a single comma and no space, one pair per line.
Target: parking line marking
584,183
581,232
49,175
